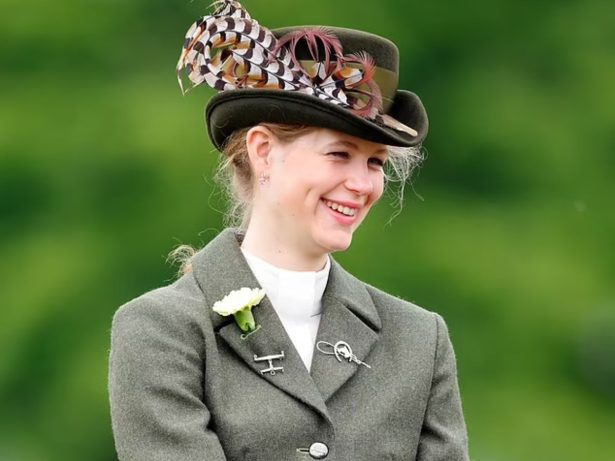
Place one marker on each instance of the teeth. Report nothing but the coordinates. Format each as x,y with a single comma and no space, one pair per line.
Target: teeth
341,209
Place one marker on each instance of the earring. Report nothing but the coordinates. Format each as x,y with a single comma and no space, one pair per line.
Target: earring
263,179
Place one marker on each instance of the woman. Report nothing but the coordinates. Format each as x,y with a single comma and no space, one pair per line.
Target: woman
324,366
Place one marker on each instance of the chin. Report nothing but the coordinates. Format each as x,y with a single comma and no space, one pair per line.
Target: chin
333,243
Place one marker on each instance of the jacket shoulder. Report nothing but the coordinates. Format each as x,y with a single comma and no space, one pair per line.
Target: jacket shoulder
399,308
178,303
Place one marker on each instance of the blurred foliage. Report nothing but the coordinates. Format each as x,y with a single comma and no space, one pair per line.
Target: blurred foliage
508,229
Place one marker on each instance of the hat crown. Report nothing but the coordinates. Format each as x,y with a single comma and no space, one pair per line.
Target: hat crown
313,42
384,51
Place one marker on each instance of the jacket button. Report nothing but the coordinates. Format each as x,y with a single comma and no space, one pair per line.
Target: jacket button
319,450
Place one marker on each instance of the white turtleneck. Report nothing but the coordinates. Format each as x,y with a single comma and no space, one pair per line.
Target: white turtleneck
296,297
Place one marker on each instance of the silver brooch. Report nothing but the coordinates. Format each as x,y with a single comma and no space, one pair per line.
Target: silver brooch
341,350
270,358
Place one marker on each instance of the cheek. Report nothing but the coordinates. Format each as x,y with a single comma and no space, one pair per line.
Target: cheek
378,187
292,194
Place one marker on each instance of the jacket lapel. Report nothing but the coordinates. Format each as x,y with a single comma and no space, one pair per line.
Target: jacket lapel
220,268
348,314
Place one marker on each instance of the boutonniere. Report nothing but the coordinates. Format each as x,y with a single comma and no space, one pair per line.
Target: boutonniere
239,304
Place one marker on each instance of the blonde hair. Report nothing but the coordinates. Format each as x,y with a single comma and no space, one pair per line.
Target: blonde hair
235,176
237,182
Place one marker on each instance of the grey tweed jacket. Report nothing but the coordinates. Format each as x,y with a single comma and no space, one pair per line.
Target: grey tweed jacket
184,385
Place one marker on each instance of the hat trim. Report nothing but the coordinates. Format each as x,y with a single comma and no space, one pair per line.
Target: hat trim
229,51
385,78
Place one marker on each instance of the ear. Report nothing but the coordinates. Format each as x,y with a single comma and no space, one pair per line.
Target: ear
259,143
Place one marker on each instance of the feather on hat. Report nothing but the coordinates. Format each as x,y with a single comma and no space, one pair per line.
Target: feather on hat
298,75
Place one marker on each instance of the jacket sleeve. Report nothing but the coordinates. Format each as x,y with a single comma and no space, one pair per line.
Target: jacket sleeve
156,385
443,435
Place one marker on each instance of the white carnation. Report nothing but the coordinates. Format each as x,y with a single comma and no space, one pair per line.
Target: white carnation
237,300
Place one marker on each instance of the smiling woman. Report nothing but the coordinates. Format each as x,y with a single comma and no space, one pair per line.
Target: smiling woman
309,123
291,224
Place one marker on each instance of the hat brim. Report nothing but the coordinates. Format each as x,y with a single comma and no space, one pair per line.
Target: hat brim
228,111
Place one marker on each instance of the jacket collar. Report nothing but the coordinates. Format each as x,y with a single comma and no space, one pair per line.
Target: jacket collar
348,314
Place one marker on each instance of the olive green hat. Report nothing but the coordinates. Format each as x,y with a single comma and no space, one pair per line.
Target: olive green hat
329,77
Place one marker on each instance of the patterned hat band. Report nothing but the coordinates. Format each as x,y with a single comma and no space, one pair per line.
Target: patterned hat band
229,51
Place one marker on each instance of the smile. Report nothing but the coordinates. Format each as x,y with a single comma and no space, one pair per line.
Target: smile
341,208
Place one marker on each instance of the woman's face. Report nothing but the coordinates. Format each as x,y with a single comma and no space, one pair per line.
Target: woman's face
321,187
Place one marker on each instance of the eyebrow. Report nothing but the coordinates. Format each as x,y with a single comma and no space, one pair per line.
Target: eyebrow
353,146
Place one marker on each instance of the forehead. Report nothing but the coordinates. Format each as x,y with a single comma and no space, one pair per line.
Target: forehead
326,138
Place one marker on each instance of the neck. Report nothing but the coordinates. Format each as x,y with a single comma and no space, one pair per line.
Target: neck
268,243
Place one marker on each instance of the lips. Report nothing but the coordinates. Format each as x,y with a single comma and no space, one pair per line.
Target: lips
341,207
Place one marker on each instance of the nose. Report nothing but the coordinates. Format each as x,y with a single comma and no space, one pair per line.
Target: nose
359,180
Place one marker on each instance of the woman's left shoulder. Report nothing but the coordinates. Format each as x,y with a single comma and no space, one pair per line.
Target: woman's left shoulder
403,312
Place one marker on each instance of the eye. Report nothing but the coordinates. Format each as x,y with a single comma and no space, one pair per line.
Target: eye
339,154
377,161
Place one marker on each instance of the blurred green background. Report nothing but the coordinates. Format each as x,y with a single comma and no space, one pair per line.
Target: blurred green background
508,230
